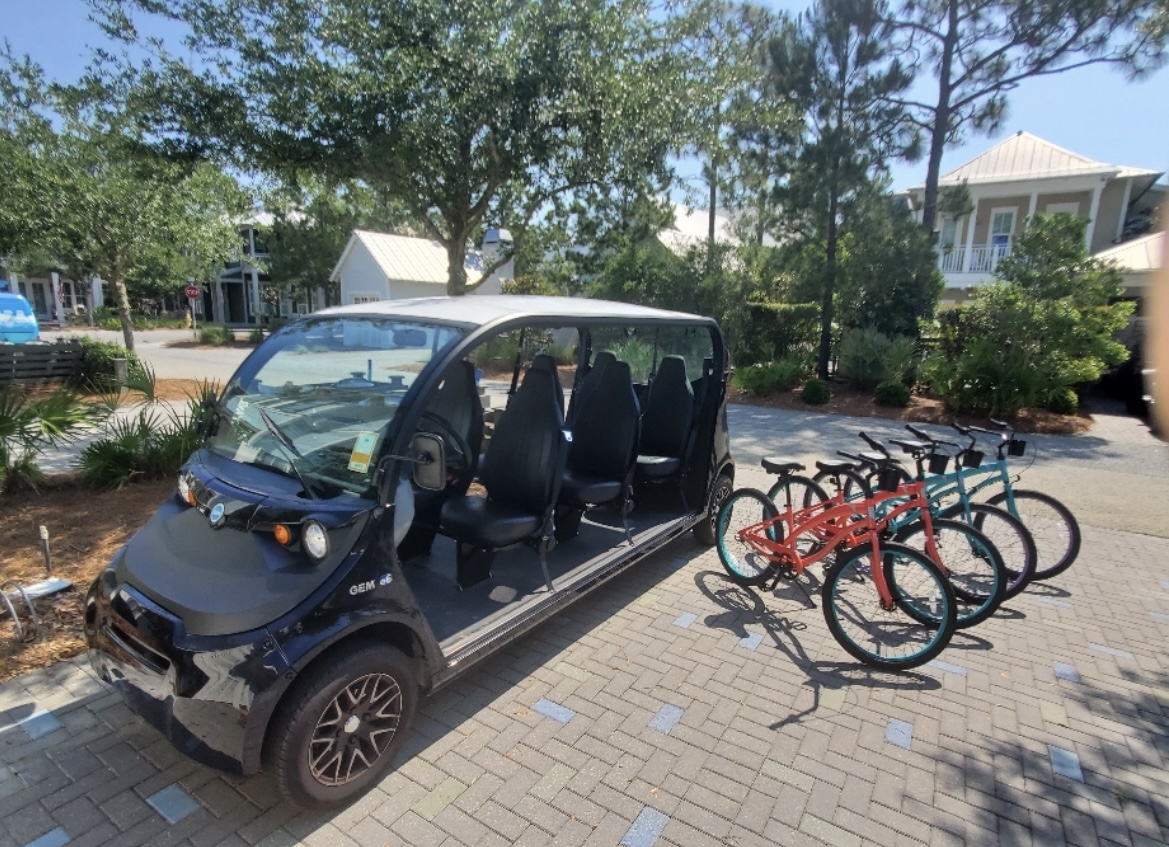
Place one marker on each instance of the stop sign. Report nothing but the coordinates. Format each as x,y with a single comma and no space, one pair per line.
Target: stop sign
193,292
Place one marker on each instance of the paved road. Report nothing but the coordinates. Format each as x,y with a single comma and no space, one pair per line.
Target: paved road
697,713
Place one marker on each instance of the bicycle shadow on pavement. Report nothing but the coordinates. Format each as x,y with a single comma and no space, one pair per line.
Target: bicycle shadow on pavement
745,606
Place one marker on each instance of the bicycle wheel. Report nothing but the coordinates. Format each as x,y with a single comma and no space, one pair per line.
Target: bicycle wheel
742,562
1052,526
889,639
1009,536
797,491
971,563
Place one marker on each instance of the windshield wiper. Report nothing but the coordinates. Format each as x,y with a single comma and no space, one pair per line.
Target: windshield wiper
289,450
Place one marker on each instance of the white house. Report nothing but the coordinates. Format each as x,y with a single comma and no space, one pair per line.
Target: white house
1139,262
1020,176
380,266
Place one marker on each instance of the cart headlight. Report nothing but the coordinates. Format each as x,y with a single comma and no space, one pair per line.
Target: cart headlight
314,539
186,492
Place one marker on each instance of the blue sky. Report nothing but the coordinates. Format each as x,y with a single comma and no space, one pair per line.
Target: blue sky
1092,111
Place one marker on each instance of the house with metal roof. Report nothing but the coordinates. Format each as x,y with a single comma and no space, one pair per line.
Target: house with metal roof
381,266
1023,175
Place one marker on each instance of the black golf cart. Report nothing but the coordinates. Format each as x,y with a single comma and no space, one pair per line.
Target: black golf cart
386,494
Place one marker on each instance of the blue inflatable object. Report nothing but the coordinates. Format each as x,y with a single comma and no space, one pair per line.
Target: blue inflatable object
18,323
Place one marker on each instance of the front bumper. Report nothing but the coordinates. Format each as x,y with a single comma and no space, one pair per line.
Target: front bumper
211,697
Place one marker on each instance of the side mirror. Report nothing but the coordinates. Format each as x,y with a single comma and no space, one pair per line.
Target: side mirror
429,456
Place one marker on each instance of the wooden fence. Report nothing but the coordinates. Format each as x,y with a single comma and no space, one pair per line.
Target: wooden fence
37,364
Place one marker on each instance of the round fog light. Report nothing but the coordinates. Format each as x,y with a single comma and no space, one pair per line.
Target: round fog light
315,540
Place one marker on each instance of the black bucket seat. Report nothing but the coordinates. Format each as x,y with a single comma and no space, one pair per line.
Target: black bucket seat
521,473
589,383
603,452
668,425
544,362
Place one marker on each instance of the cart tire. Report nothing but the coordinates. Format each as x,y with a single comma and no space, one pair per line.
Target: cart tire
706,529
339,728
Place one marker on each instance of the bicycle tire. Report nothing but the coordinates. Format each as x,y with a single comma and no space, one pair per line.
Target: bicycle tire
973,567
784,492
1010,537
743,564
1054,553
913,580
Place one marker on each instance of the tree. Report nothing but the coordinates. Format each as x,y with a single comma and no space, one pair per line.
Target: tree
313,221
889,278
1047,325
101,204
836,63
464,112
979,50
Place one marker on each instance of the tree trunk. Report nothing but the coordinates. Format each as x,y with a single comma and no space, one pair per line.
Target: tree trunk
119,286
829,291
929,212
456,251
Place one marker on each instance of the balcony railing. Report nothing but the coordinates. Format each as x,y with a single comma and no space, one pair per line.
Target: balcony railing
983,258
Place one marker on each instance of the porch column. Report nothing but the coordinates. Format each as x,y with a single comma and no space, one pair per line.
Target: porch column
1092,211
1124,208
255,287
58,306
971,219
1031,206
96,300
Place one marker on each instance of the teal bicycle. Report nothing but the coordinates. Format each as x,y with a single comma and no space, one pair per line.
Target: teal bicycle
950,499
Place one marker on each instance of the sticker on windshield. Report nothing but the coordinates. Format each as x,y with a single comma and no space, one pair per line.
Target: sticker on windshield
362,452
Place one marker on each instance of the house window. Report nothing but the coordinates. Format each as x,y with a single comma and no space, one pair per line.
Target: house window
365,298
1063,208
1002,227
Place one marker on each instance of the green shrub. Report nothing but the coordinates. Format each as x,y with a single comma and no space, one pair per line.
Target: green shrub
152,442
256,336
816,392
988,380
29,426
215,334
97,361
775,331
891,393
768,378
868,357
1062,401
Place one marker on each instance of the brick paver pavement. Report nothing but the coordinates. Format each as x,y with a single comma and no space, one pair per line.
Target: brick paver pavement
671,707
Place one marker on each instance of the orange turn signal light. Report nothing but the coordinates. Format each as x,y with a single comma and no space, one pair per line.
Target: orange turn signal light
283,534
191,496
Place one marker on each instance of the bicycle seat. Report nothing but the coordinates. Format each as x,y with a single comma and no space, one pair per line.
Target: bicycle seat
773,464
835,466
914,446
875,458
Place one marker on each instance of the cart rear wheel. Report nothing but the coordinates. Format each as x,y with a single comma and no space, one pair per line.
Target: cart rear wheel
341,726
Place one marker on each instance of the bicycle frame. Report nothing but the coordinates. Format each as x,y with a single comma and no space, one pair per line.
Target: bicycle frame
842,524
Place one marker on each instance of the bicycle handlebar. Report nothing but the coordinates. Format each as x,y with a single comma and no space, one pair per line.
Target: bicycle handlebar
876,445
922,435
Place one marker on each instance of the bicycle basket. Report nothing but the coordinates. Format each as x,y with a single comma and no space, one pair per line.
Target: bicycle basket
972,458
1017,447
888,479
938,463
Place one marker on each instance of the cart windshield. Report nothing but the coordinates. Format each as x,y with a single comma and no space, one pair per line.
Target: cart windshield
316,400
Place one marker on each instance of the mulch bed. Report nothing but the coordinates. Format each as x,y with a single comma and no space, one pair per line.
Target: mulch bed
848,401
85,529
